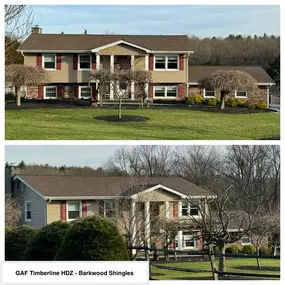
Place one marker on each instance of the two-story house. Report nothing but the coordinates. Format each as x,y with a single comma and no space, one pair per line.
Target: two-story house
136,204
69,59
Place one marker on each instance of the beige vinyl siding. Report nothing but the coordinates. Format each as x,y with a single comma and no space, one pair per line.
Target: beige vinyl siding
92,208
38,205
121,49
139,62
158,195
30,60
53,211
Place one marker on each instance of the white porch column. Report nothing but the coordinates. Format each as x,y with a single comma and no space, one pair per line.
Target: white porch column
132,62
147,223
111,91
146,90
97,61
146,62
180,245
132,90
133,224
112,60
166,209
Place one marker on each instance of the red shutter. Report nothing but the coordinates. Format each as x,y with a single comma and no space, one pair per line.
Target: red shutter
175,209
199,243
150,62
181,62
150,91
94,92
39,60
93,63
84,208
180,92
75,91
75,61
58,61
63,210
59,91
41,92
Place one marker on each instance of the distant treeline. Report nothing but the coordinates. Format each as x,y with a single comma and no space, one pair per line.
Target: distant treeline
238,50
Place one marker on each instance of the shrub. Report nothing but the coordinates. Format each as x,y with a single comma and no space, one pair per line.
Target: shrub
211,102
10,96
199,99
93,238
248,105
45,243
235,103
190,100
248,249
260,105
265,251
16,240
233,248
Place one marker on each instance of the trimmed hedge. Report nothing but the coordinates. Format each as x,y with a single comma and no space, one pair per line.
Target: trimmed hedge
16,240
93,238
45,244
248,249
233,248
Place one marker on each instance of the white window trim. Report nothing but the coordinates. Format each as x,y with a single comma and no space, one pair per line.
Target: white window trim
80,209
240,96
204,93
188,211
28,220
79,92
246,243
78,61
166,63
116,209
45,92
189,247
43,61
165,92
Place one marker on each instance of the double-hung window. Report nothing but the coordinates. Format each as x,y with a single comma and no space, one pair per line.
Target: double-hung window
190,208
110,209
49,61
28,211
73,210
209,93
50,92
166,62
85,92
188,241
240,94
165,91
84,61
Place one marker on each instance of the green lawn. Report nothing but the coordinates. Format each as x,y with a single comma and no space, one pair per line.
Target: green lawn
167,124
270,266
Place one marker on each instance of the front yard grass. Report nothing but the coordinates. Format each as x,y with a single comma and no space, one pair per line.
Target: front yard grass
166,124
269,266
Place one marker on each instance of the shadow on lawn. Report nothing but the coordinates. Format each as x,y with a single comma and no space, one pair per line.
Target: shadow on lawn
263,268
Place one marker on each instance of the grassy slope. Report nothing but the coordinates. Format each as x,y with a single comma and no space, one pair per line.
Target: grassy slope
78,124
231,266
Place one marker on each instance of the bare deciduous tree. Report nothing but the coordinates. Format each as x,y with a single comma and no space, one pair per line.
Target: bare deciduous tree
18,23
149,160
17,75
227,81
13,212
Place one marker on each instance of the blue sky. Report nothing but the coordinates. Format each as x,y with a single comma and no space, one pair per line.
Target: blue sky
199,20
58,155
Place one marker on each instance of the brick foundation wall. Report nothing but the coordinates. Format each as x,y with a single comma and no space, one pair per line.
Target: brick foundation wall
258,95
32,92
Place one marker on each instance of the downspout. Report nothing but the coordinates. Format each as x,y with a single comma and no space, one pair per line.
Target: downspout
49,200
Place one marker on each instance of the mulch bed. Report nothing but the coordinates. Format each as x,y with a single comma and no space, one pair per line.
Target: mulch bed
271,138
124,119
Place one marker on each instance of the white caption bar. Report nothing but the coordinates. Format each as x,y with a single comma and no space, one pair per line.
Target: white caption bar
135,272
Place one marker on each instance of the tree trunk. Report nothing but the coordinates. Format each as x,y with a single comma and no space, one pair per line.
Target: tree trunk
222,259
257,259
212,261
120,108
18,97
223,98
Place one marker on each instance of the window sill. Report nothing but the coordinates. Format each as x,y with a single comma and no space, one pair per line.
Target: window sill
167,70
209,97
29,221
